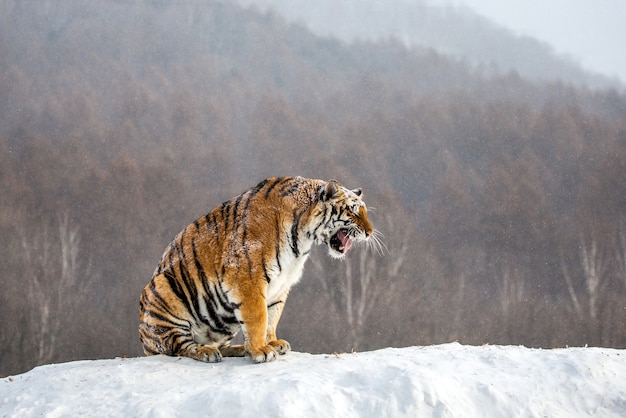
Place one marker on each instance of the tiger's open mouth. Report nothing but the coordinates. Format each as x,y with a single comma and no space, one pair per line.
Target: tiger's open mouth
341,241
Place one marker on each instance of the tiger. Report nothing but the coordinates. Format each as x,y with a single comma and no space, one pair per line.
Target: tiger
233,268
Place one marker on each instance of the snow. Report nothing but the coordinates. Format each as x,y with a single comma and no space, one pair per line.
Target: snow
442,380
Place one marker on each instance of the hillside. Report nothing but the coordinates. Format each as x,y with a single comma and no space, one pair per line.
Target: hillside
450,30
445,380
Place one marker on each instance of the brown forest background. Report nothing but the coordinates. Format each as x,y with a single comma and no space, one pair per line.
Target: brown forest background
502,201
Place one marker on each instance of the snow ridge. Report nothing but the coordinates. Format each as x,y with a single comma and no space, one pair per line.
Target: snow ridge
443,380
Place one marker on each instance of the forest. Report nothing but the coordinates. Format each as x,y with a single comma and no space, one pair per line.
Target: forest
502,200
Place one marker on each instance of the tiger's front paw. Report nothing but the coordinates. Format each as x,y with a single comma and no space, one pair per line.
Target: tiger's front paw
263,354
281,346
204,353
233,351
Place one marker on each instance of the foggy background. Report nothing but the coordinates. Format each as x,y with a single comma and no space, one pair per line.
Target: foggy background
496,166
590,32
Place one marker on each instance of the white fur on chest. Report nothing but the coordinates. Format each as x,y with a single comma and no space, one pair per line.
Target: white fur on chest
290,274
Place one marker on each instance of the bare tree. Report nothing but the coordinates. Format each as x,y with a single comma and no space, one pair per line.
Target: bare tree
570,288
366,281
620,255
70,244
51,274
511,287
594,268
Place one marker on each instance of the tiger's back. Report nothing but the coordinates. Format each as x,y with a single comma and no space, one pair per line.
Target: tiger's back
232,269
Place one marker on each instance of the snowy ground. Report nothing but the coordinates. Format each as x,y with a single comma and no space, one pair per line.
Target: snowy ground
444,380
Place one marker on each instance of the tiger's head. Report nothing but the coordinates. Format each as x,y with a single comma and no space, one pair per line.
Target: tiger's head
344,218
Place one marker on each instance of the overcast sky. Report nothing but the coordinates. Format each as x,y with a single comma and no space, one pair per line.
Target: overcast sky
593,32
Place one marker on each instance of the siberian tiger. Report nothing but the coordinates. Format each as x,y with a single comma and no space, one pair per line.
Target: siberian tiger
232,269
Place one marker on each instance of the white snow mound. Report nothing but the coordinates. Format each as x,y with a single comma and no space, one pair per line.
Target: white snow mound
443,380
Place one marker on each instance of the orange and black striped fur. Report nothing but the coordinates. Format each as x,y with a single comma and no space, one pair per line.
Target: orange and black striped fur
232,269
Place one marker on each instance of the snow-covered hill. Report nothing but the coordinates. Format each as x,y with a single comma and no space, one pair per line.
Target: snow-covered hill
443,380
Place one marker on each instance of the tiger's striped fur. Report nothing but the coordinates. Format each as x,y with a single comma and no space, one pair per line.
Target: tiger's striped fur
232,269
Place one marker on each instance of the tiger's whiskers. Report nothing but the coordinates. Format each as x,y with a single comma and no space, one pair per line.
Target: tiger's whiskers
375,241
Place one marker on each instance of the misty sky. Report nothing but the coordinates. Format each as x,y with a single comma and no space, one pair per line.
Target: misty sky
593,32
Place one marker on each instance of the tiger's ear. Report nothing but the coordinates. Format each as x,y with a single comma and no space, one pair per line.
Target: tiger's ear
330,190
358,191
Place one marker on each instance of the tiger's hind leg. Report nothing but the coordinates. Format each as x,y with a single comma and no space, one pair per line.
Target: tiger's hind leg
172,341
